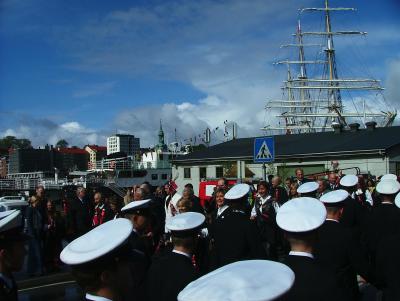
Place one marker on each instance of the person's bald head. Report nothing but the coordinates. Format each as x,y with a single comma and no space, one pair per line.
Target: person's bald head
276,181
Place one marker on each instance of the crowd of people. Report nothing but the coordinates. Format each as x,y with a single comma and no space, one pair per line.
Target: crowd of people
337,233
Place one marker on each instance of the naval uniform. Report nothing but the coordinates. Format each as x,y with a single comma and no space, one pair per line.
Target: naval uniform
236,238
388,267
8,289
383,221
312,282
353,215
169,275
338,251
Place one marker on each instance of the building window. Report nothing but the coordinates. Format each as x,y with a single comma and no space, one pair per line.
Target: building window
154,176
186,173
164,176
219,171
203,172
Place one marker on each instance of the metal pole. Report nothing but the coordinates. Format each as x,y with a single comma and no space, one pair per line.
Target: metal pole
264,172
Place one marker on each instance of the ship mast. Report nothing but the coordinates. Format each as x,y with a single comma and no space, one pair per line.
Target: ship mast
305,110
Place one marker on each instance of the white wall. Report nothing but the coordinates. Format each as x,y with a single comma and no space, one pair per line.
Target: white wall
376,166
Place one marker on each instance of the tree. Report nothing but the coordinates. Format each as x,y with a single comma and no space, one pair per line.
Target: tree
11,141
62,143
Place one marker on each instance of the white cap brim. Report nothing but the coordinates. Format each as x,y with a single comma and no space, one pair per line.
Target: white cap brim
185,221
301,215
255,280
136,205
97,242
237,192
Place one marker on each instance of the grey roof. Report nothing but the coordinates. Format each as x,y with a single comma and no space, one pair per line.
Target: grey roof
327,144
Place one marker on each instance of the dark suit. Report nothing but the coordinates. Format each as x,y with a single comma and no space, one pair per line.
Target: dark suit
388,267
169,275
236,238
338,251
79,217
312,282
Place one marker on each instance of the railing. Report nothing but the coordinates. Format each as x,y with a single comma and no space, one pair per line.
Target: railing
126,164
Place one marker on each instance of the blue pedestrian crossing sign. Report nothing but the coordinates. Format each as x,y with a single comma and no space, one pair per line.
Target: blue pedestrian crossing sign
264,150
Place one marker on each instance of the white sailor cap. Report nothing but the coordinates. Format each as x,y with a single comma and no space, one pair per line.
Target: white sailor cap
301,215
389,176
308,187
397,200
388,187
136,206
238,281
185,223
334,197
349,180
237,192
11,226
97,243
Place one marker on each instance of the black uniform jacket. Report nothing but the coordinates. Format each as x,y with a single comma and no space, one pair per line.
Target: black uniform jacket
338,251
388,267
7,293
236,238
354,215
169,275
312,282
383,221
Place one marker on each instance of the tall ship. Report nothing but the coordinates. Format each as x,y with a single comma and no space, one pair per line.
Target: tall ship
316,95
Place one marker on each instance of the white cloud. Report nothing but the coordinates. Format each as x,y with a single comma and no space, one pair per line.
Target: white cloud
40,133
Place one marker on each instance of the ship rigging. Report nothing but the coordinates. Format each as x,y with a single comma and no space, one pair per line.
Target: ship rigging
316,103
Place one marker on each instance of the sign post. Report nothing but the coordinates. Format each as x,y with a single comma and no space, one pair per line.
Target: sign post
264,152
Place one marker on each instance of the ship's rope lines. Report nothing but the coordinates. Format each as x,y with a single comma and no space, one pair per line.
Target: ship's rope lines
367,71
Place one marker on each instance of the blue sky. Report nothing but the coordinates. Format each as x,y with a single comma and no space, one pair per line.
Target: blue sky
81,70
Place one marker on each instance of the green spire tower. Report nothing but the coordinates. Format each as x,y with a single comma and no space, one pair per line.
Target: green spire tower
161,142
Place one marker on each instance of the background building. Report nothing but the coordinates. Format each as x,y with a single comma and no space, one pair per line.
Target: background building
125,143
70,159
30,160
374,151
96,153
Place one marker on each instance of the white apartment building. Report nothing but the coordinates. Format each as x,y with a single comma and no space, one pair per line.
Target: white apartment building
128,144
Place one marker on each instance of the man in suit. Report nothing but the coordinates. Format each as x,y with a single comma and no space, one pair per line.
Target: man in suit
300,218
300,177
79,215
333,181
337,249
235,236
169,274
277,192
12,252
102,211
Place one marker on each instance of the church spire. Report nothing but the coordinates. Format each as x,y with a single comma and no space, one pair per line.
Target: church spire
161,141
